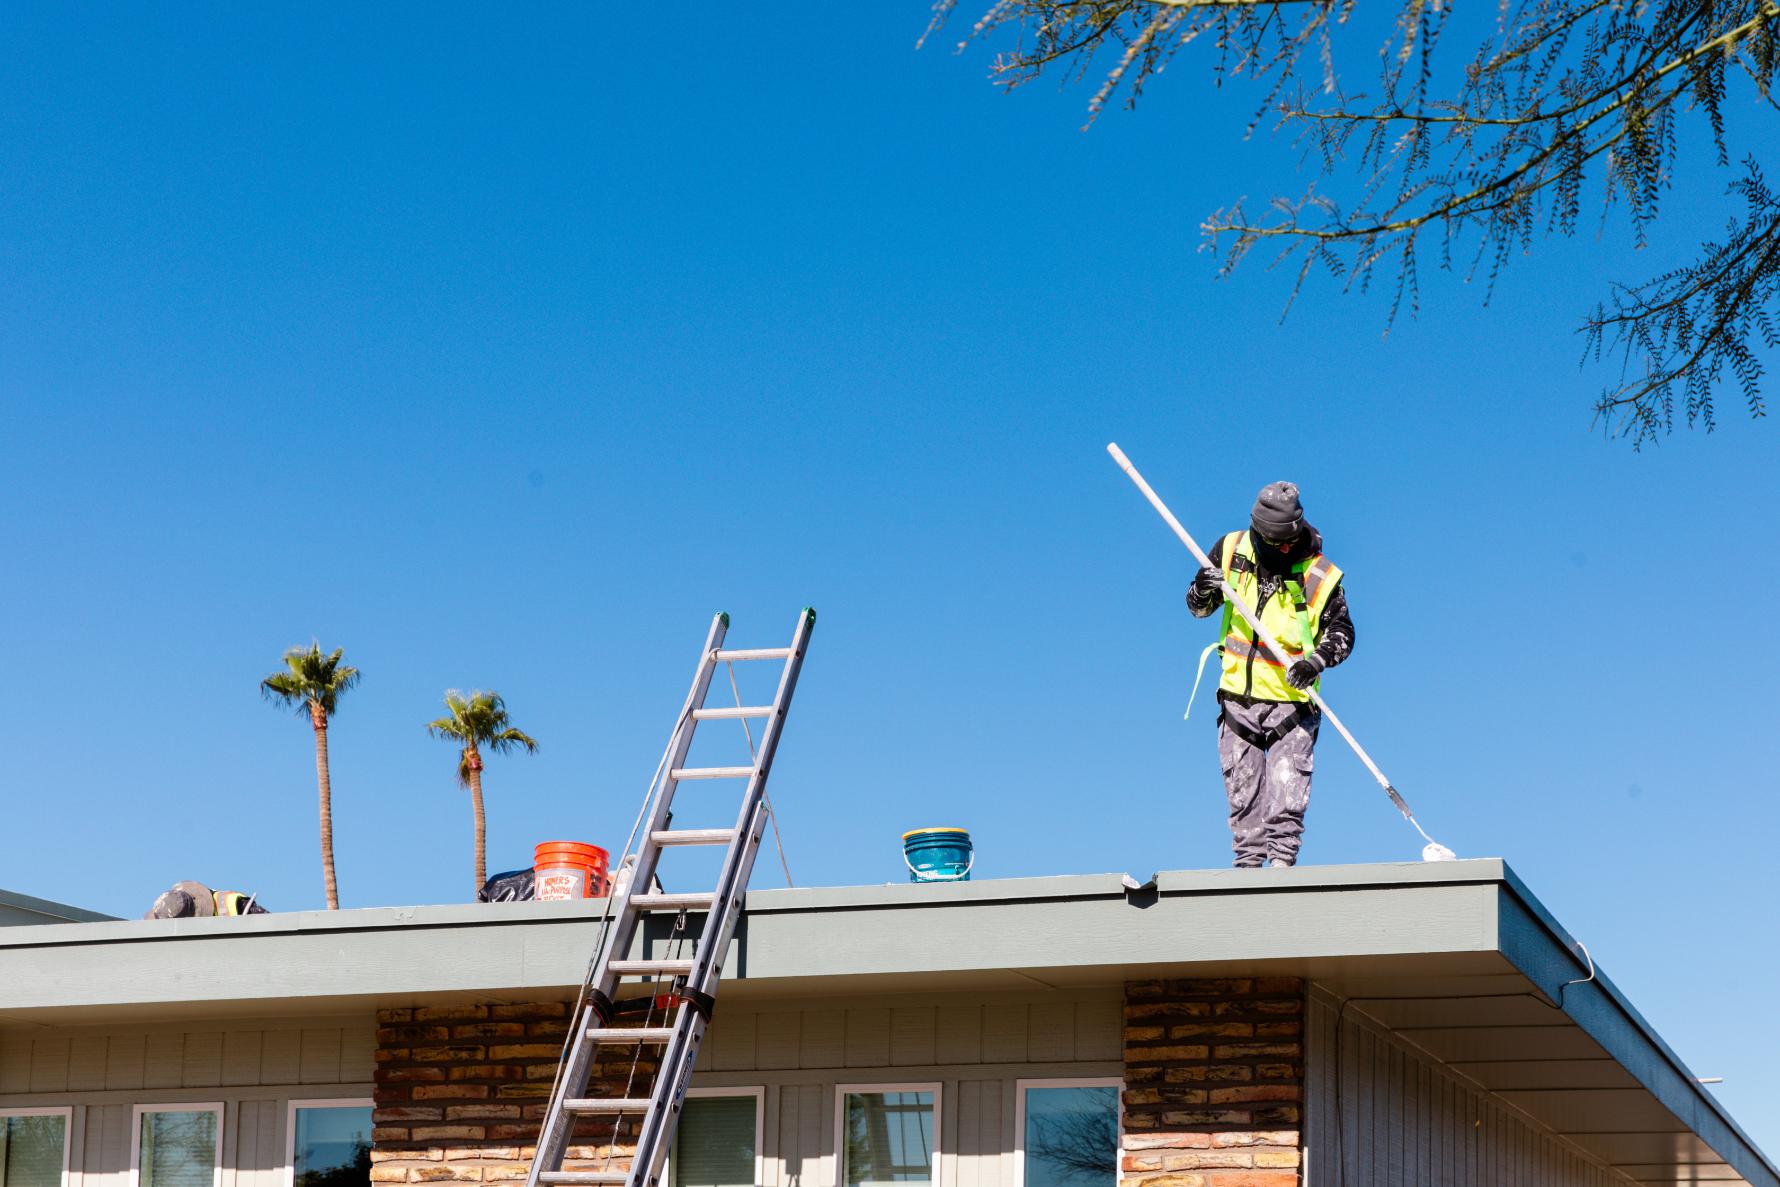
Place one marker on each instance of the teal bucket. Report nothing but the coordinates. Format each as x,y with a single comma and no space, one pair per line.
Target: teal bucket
938,854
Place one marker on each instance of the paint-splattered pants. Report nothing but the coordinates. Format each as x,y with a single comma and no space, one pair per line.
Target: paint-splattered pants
1267,752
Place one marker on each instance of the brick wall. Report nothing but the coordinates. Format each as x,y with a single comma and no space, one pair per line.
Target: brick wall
1214,1082
461,1091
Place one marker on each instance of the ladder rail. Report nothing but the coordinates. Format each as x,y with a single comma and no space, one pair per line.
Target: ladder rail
677,1060
679,1036
558,1123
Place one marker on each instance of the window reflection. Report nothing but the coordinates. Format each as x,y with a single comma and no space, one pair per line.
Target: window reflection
31,1150
889,1138
1072,1137
332,1147
178,1149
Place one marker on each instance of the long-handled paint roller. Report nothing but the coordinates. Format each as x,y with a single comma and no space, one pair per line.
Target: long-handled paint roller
1433,850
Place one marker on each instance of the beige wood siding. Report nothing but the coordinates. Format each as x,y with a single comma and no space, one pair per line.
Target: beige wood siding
975,1045
1079,1026
1398,1117
255,1069
73,1060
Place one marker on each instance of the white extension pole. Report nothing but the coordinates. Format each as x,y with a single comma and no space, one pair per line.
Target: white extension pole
1434,850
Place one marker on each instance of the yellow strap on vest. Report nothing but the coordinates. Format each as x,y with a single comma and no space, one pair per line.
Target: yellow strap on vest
1227,551
1197,677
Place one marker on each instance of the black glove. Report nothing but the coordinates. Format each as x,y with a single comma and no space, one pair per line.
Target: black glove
1303,673
1207,583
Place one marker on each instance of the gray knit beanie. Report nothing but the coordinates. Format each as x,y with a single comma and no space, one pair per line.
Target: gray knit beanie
1278,515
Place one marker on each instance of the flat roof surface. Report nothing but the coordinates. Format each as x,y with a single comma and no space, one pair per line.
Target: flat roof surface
1458,957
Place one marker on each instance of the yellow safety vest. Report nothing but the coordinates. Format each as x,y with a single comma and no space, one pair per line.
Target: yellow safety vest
1293,616
231,902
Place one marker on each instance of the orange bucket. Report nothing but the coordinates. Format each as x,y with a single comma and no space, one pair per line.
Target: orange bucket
569,870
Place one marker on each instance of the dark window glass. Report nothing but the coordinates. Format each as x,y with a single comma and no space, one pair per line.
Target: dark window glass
1072,1137
332,1148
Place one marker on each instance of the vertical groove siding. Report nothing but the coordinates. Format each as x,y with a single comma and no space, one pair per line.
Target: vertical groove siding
153,1058
867,1044
799,1055
166,1065
1381,1115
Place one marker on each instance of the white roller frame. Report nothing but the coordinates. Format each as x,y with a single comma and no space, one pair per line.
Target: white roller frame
1433,850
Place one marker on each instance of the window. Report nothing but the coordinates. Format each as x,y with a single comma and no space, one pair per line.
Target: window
176,1146
888,1133
717,1143
33,1147
328,1143
1066,1133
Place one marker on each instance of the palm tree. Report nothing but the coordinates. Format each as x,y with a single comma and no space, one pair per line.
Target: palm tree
315,682
478,722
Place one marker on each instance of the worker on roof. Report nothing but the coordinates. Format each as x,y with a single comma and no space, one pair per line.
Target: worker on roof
1267,724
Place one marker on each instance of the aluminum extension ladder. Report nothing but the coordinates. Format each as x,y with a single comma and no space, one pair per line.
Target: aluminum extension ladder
692,983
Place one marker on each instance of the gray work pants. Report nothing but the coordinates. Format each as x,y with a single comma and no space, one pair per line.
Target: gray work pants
1267,752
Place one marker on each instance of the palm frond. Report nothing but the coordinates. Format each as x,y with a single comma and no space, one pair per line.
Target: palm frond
310,678
479,721
512,739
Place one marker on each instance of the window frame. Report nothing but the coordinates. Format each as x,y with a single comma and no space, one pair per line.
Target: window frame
138,1112
842,1091
66,1113
1022,1086
290,1125
758,1092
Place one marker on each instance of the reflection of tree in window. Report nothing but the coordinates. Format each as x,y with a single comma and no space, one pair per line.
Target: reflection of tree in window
178,1149
889,1138
31,1151
354,1172
1072,1137
332,1147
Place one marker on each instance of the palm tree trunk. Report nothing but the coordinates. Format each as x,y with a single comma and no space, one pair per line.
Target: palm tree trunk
319,720
474,764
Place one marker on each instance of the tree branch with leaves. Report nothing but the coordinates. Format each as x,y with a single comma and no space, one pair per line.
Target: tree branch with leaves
1564,103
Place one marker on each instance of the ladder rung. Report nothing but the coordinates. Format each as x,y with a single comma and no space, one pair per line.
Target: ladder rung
631,1034
607,1104
633,968
566,1177
693,836
756,653
713,772
650,902
732,711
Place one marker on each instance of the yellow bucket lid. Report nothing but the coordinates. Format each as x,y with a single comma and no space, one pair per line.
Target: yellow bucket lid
915,832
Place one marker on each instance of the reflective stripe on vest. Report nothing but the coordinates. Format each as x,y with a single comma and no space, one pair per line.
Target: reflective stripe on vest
1240,647
1293,616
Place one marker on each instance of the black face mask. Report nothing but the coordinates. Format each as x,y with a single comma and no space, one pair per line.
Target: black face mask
1274,558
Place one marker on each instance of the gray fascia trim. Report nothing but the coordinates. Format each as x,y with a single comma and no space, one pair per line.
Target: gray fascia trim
930,896
1547,969
51,909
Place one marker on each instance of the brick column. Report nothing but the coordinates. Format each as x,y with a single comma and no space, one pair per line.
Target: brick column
461,1092
1214,1082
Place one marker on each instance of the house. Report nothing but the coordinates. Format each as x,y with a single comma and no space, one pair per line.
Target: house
1338,1026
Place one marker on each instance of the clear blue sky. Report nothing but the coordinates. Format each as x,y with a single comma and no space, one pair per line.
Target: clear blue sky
503,352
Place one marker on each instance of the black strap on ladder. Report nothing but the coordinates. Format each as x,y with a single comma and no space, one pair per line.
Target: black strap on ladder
674,1022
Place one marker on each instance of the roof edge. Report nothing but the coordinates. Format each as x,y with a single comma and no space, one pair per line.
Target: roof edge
1588,970
104,929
